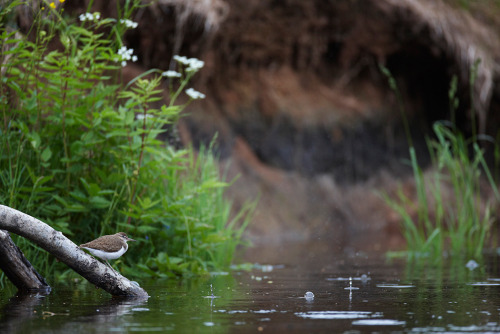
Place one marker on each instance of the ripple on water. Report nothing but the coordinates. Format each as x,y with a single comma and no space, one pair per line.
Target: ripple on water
237,311
264,311
378,322
362,278
395,286
484,284
328,315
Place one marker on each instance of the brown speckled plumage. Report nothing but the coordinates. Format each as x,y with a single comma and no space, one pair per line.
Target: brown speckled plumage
109,243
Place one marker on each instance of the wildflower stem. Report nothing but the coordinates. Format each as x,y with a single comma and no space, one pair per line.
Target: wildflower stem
64,89
180,89
141,156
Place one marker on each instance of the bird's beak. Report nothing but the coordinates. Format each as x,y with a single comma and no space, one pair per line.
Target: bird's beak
129,239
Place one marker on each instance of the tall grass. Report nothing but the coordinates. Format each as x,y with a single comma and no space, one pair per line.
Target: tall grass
458,223
83,152
444,224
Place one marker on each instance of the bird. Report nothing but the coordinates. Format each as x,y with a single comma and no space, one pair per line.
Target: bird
108,247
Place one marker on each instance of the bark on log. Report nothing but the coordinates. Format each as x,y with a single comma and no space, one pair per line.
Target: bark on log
17,268
67,252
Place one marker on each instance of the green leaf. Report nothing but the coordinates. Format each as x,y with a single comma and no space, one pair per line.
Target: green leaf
99,202
78,195
146,203
34,139
215,238
61,200
76,208
46,154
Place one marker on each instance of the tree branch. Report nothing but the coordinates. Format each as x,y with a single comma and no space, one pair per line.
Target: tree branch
67,252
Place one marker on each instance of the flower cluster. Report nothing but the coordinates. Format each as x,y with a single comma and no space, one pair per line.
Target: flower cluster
193,64
194,94
129,24
124,55
90,17
171,74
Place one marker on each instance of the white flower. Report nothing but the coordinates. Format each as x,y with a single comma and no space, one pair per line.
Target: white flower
124,55
129,24
171,74
90,17
181,59
194,94
194,65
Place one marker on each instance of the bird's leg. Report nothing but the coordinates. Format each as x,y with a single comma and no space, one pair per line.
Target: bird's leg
109,265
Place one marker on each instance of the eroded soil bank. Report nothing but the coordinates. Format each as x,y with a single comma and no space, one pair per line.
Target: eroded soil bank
302,111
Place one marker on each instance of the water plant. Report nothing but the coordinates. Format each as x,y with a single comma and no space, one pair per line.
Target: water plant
90,156
456,225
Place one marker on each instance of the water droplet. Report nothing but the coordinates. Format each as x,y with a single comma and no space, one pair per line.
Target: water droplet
471,265
350,287
309,295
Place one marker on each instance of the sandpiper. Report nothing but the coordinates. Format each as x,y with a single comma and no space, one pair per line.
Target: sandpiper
108,247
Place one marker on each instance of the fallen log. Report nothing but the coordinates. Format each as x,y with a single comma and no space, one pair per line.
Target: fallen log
17,268
65,251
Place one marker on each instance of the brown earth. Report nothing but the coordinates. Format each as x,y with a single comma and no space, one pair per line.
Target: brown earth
304,114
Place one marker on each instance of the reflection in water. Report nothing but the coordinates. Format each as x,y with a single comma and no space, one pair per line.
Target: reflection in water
351,295
19,309
64,310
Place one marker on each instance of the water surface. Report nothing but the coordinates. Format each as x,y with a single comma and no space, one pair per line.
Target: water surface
353,295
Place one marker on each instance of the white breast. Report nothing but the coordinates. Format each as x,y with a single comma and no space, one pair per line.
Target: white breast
107,256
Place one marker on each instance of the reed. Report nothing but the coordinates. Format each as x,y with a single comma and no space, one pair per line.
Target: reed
456,225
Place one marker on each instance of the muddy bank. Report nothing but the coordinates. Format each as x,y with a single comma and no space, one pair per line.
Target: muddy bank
302,110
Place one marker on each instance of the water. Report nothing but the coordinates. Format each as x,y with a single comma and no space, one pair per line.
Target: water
354,295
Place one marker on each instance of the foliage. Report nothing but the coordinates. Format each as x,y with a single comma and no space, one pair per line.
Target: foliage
88,156
460,222
459,225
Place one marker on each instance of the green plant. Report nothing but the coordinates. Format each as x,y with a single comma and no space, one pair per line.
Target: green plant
84,153
458,224
202,230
